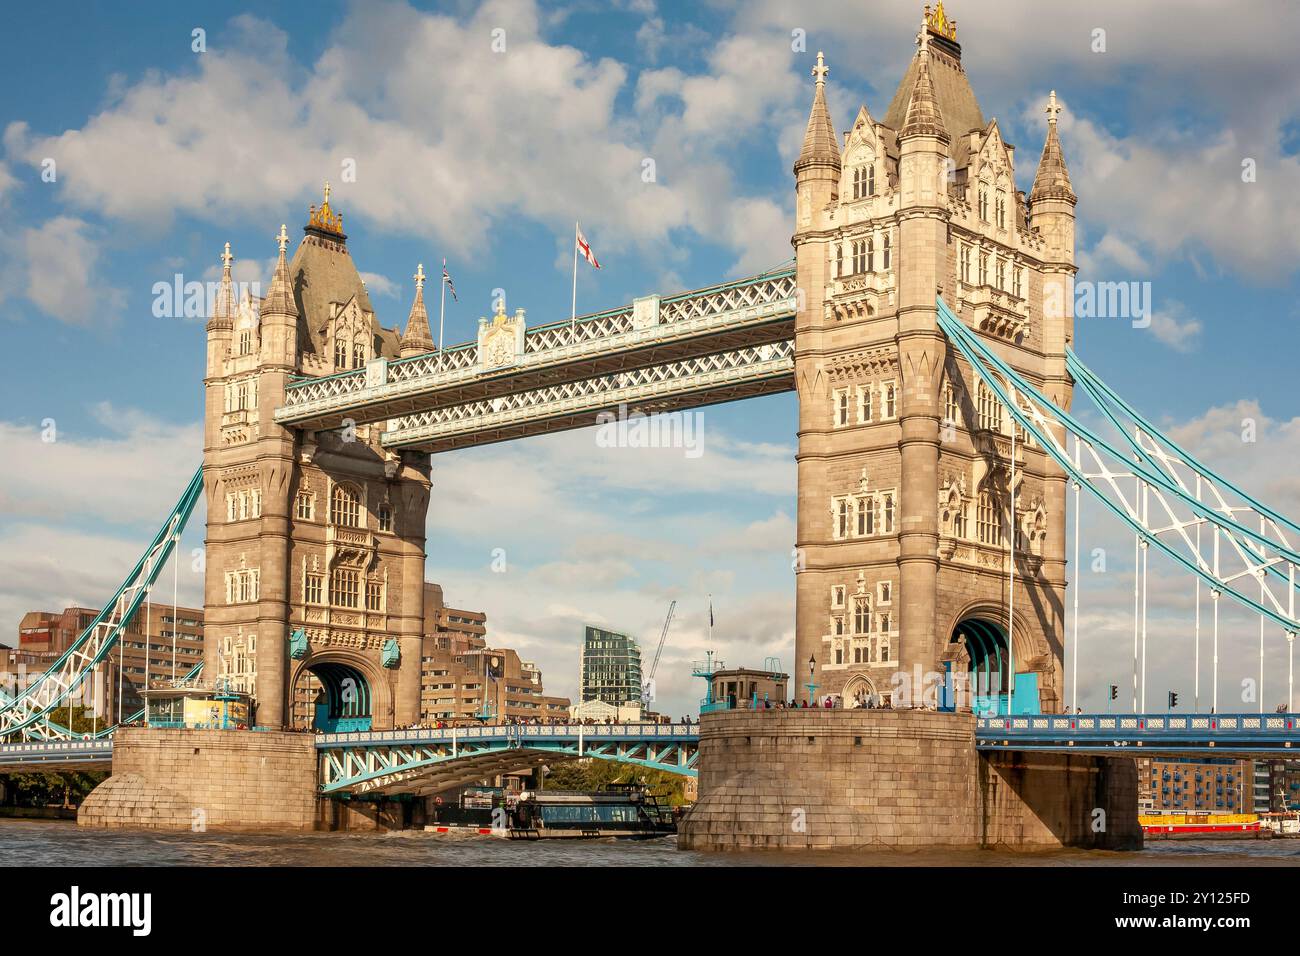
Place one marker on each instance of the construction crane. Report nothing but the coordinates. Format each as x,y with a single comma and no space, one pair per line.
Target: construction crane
663,636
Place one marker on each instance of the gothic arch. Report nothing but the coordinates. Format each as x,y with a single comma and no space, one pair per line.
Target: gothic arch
382,712
856,683
1026,643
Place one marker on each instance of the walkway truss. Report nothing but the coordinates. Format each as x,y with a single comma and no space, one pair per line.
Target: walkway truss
25,714
431,761
1173,502
712,345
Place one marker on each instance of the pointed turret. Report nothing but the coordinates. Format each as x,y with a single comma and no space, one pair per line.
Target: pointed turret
1052,181
417,339
279,298
923,117
277,322
223,309
820,147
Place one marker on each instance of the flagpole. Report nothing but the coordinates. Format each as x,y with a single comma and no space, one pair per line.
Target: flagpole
573,314
442,305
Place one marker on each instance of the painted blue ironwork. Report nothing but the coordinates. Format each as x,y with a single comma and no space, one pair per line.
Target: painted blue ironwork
391,655
398,759
1152,445
1252,547
57,685
298,646
1204,734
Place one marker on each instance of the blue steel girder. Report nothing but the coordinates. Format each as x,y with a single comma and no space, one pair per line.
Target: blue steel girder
56,755
1251,554
1206,735
30,707
1192,476
691,383
434,760
652,331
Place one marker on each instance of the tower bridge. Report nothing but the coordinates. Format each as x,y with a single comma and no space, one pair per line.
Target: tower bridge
926,330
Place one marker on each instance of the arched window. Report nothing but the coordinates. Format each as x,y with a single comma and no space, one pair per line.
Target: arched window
358,352
884,256
340,353
871,180
987,525
345,507
859,256
839,259
862,614
871,255
889,514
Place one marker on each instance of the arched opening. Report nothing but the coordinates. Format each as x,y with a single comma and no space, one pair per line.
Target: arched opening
860,691
333,698
989,669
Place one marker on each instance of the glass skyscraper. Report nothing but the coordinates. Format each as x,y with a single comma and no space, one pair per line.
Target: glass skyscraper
611,667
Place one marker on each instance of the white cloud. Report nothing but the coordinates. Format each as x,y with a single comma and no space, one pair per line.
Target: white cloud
131,472
448,139
7,181
377,284
1174,327
57,267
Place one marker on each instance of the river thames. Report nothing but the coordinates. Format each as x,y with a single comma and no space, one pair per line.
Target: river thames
61,843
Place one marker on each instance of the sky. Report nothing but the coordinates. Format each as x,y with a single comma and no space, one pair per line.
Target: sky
132,147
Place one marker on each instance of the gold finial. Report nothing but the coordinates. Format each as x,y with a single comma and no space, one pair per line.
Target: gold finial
225,259
499,315
821,69
325,218
283,238
419,277
1053,108
938,23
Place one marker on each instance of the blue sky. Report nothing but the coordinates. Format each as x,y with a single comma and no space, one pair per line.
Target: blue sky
163,153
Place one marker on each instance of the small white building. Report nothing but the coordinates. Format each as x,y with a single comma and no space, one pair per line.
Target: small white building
599,711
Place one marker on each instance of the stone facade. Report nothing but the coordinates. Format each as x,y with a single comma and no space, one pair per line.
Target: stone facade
886,779
318,531
171,779
904,477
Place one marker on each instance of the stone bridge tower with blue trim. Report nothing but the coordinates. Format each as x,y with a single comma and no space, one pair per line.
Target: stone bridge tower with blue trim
315,546
904,515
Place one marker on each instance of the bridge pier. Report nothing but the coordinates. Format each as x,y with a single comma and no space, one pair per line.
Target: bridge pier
896,779
181,779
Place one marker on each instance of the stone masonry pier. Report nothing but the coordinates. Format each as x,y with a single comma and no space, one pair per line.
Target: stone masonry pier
179,779
885,779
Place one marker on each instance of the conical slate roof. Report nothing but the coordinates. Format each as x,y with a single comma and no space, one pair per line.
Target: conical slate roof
417,336
820,147
924,117
1052,181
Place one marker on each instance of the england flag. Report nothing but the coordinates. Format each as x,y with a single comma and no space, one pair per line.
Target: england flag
585,248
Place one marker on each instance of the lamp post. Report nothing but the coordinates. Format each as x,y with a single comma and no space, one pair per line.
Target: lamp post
812,681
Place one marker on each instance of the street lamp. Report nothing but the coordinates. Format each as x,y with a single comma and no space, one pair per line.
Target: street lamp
812,683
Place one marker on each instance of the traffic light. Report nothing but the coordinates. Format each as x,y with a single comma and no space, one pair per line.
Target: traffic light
1173,700
1114,691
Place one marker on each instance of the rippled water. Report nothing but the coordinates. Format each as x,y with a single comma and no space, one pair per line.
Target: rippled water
57,843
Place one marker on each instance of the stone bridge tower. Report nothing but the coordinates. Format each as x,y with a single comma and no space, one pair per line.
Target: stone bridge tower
904,517
315,553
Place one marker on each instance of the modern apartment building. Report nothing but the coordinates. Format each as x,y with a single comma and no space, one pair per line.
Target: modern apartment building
611,666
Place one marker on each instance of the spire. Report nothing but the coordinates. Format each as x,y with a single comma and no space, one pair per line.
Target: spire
279,299
223,309
820,148
417,338
1052,181
923,117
